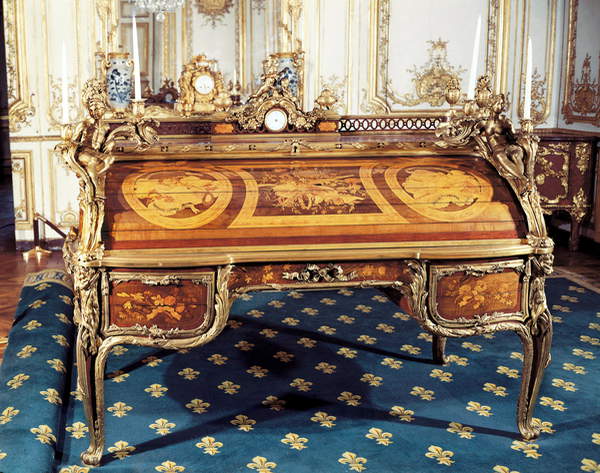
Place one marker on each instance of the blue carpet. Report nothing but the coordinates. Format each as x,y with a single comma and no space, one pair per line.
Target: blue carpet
332,381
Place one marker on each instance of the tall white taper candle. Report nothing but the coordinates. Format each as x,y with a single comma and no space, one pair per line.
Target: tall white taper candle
136,61
528,78
474,61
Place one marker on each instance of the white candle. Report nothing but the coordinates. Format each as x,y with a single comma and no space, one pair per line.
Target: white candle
65,91
474,61
136,61
234,77
528,74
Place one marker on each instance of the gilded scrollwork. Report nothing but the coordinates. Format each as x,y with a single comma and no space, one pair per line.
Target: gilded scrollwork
547,169
315,273
583,153
580,206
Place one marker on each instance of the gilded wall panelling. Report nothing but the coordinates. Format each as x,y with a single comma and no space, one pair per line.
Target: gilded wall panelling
581,98
108,17
22,188
63,201
542,77
21,108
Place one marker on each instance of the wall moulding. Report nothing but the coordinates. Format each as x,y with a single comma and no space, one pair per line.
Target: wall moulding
581,99
22,188
20,107
379,98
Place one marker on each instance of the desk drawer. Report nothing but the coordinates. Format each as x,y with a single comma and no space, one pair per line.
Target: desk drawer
179,303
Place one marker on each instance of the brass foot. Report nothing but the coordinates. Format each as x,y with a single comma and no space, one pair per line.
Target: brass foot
91,457
36,251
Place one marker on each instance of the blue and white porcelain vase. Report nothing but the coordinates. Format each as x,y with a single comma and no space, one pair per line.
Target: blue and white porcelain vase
118,81
286,66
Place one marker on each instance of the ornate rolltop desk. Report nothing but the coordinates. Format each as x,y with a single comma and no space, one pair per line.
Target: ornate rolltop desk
179,218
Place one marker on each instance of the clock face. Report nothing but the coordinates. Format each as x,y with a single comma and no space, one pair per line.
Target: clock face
276,119
204,84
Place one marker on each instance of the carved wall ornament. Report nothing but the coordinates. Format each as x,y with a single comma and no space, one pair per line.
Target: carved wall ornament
430,79
538,97
584,96
215,10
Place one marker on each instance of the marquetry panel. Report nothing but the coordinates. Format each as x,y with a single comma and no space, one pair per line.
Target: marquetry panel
247,203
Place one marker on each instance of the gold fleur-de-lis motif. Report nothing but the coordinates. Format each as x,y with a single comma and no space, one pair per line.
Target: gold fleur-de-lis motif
198,406
246,297
596,438
27,351
17,381
268,333
386,328
243,422
587,464
354,462
301,384
188,373
568,298
381,437
410,349
169,467
510,372
578,289
402,413
544,426
61,340
379,298
66,299
121,449
156,390
371,379
325,367
463,431
594,326
32,325
229,387
218,359
324,419
591,340
425,394
257,371
556,319
503,469
274,403
566,385
489,336
244,345
458,360
44,434
51,395
210,445
42,286
310,311
363,308
261,465
443,457
8,414
37,304
401,316
291,321
530,449
3,455
425,336
349,398
328,301
235,324
346,319
444,376
561,308
347,352
257,314
294,441
74,469
276,304
152,361
392,363
119,350
307,342
327,330
588,355
480,409
517,355
77,430
119,409
574,368
471,346
555,404
283,356
162,426
497,390
345,292
63,318
118,376
366,339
